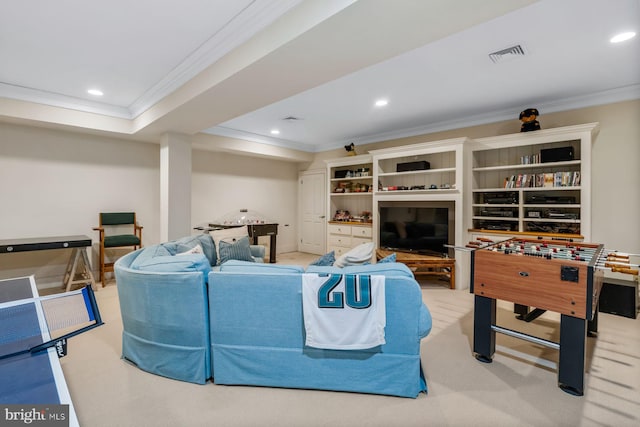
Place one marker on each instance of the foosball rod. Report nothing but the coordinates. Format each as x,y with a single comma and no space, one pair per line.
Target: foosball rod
607,263
631,271
462,248
481,244
618,254
618,267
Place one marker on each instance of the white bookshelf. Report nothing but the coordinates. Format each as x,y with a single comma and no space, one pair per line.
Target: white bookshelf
513,191
440,185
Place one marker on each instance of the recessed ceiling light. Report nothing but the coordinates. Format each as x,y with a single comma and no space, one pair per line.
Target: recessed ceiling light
275,132
622,37
381,102
95,92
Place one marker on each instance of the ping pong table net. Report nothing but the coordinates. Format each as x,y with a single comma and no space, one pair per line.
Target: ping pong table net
64,315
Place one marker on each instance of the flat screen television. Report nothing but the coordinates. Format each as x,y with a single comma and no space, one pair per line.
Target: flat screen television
415,229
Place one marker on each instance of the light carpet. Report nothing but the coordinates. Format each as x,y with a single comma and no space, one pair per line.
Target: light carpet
517,389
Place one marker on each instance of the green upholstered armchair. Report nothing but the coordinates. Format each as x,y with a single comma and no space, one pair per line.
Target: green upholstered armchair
126,233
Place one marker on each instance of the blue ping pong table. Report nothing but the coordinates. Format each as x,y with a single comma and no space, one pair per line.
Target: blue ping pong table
31,378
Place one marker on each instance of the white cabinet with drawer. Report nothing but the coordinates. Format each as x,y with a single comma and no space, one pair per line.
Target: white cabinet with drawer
345,236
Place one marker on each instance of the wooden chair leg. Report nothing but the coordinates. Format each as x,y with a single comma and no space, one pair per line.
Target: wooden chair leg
102,265
452,277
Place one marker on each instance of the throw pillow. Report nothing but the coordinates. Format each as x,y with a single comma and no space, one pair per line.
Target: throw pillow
388,258
184,250
228,235
204,240
237,249
326,259
359,255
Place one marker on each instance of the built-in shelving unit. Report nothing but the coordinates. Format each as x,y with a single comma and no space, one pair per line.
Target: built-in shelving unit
431,169
350,202
534,182
350,187
429,174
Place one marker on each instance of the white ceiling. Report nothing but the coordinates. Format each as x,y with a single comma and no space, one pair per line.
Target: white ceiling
237,68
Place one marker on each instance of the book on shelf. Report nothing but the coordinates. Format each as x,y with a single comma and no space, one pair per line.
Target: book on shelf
547,179
530,159
576,179
531,180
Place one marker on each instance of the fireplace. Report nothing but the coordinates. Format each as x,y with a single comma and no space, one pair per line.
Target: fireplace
417,226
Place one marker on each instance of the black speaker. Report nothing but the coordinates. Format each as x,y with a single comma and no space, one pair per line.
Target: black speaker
621,300
341,173
560,154
413,166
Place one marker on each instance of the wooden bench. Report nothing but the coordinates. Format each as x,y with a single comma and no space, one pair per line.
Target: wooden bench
424,265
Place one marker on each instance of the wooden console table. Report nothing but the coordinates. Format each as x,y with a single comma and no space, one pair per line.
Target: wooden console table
78,269
425,265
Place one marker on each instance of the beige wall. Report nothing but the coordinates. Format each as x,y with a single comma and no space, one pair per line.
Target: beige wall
615,166
54,183
223,182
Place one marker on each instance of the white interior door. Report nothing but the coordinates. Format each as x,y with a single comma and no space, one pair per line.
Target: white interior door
313,199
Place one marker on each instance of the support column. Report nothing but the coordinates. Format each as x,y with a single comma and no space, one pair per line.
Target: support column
175,186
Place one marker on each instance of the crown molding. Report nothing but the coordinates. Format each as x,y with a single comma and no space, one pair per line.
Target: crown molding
254,18
247,23
262,139
62,101
627,93
612,96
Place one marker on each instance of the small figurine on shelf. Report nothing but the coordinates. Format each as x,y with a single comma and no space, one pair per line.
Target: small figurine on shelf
528,118
342,215
351,149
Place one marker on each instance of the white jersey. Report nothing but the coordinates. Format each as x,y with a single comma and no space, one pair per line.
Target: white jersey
343,312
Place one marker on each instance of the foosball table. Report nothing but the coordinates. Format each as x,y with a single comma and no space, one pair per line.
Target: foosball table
559,276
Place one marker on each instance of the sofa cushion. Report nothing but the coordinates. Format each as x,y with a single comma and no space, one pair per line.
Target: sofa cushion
326,259
227,235
236,266
197,249
189,242
148,253
323,269
176,264
388,258
388,269
238,249
359,255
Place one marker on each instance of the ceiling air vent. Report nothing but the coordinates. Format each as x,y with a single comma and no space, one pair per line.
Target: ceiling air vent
506,54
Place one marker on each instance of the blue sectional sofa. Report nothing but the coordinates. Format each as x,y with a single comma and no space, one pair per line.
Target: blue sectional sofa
242,324
165,307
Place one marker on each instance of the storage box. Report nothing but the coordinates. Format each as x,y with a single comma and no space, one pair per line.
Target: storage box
619,299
